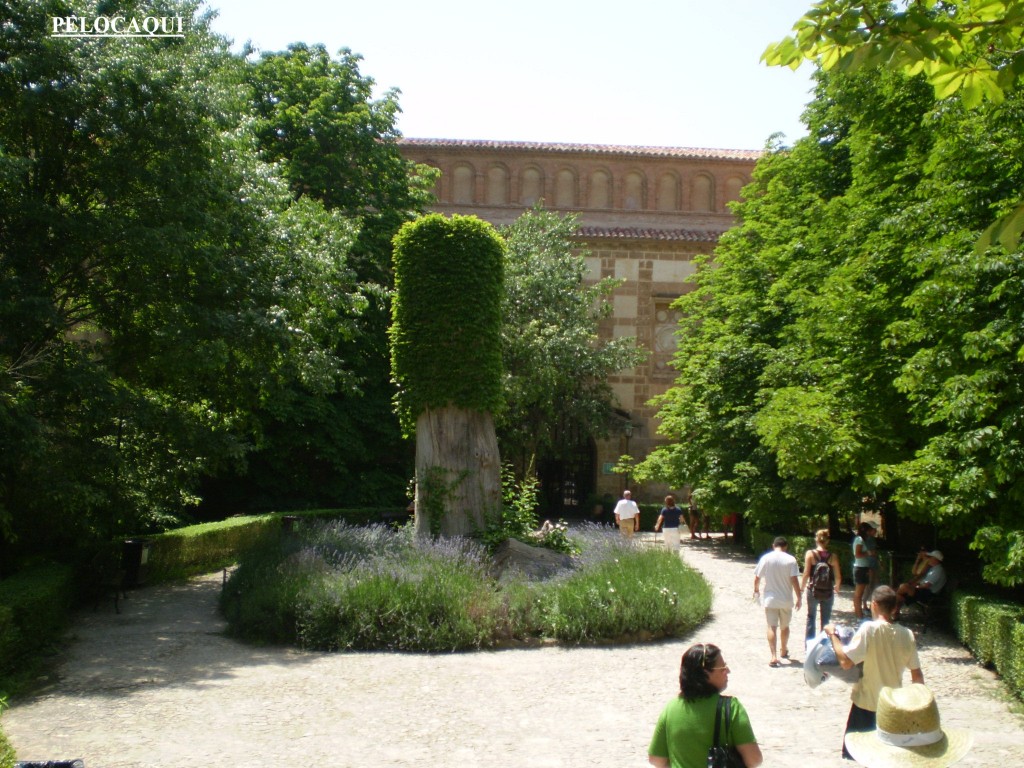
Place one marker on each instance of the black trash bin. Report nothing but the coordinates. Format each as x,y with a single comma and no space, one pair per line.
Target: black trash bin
134,561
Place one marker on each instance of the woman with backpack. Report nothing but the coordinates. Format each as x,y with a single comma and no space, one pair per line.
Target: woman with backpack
822,579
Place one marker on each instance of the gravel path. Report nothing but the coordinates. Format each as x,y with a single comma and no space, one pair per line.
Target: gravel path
159,686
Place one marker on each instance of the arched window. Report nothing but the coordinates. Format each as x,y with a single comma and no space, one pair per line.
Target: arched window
462,184
733,185
565,189
600,190
633,191
532,186
703,195
668,192
497,185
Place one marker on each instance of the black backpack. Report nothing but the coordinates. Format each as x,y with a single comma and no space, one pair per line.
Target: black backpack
822,579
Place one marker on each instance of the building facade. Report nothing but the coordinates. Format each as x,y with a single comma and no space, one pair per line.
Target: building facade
644,214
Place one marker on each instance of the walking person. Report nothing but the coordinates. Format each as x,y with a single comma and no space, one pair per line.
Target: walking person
627,515
821,581
781,575
886,650
698,522
865,568
669,518
686,727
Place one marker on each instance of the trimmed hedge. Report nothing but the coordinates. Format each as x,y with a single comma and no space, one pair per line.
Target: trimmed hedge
34,605
203,548
993,630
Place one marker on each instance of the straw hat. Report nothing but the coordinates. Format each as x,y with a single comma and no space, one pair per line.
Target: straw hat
908,733
936,554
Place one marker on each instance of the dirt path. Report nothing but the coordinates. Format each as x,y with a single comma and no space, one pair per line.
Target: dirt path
159,686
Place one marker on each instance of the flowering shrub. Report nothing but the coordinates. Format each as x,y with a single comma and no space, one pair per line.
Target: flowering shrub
335,587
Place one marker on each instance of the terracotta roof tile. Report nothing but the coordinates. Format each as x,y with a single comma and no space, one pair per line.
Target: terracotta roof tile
638,233
598,149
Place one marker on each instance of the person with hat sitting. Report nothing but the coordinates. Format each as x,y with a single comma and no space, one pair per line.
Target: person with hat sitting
928,580
885,649
908,732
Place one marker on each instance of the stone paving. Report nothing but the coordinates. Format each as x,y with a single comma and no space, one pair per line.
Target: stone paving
160,686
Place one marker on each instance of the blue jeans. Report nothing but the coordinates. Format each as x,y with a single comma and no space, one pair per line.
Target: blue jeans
812,610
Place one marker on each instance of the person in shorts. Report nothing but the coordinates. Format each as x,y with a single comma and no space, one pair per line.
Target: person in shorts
865,563
781,575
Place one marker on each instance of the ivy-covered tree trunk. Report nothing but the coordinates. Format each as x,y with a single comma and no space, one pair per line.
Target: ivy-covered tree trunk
458,471
446,360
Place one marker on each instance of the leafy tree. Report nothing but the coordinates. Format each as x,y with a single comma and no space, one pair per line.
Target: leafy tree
157,281
446,360
316,118
849,337
972,49
556,366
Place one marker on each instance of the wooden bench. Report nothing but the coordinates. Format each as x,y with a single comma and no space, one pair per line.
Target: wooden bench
933,612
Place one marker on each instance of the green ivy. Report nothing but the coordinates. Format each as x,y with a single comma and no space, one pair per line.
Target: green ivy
446,329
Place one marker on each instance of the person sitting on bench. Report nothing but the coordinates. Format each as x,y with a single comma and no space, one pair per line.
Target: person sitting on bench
929,577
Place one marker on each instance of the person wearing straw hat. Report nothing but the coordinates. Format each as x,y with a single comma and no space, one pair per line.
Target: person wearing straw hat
885,649
908,733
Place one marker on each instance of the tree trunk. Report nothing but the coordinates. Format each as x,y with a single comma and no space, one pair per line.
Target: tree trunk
458,471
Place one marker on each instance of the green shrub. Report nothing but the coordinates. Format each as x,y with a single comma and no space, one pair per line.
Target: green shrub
639,591
336,587
7,755
34,605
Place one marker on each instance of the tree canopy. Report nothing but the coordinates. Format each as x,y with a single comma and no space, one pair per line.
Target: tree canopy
556,364
972,50
849,339
158,281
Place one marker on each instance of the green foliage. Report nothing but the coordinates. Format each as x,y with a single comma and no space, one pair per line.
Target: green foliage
157,282
336,587
34,606
556,536
446,330
632,593
315,116
969,49
993,630
556,364
849,339
7,755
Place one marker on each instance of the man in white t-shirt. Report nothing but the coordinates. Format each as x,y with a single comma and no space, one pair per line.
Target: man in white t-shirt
886,650
781,576
627,515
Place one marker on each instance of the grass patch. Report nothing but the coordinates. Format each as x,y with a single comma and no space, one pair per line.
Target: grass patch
337,587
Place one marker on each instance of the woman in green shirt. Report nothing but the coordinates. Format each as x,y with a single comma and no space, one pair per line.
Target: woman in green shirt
686,727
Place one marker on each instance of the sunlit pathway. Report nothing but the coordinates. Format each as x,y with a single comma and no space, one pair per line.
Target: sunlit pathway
159,687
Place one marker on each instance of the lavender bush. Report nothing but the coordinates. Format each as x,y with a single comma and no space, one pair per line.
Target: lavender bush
336,587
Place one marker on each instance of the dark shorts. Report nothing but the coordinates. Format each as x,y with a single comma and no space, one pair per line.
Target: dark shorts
861,575
922,595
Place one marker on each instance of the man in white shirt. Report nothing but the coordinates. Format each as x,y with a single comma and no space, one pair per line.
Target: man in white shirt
781,576
627,515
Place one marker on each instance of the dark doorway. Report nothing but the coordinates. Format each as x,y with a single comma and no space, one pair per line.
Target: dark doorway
567,482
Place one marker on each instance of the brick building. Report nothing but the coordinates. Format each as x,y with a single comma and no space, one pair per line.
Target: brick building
644,213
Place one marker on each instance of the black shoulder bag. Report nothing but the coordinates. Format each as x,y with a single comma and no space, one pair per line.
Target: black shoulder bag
721,756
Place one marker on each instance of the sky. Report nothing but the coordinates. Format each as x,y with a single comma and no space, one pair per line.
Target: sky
678,73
